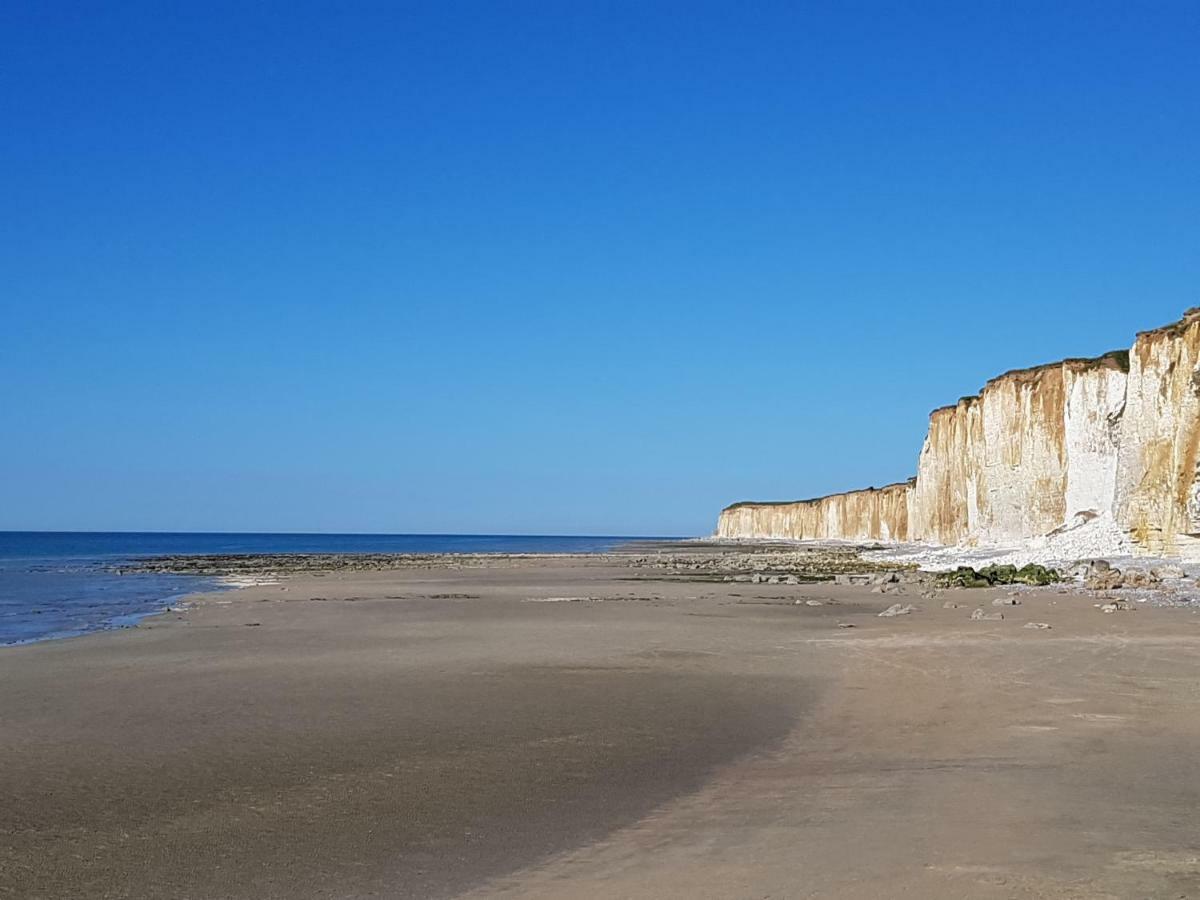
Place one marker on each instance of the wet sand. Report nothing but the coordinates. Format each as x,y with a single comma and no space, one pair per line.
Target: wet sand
442,732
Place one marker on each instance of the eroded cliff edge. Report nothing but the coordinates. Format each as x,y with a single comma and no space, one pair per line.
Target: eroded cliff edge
1116,435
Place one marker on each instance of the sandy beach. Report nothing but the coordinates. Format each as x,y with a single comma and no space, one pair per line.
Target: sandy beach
583,727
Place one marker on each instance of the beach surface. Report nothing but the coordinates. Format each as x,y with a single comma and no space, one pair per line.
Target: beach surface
596,726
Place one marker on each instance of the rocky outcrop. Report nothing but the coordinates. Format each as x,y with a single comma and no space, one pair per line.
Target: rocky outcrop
1036,448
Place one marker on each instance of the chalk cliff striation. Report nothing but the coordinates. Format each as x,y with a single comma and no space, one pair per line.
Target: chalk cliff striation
1116,435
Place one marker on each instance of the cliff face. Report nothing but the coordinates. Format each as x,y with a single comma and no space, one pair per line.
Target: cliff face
1119,434
1034,448
876,514
1156,487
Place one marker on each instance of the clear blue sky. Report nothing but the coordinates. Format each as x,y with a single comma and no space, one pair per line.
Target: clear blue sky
560,267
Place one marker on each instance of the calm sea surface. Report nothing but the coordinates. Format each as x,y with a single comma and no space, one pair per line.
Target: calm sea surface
57,584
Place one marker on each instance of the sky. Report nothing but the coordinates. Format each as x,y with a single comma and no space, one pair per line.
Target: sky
558,268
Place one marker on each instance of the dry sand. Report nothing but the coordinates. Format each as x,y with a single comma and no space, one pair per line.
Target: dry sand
434,733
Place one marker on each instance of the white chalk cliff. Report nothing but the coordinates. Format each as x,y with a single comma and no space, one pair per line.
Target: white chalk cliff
1037,448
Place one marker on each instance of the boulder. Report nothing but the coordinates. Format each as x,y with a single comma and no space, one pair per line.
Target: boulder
1141,578
1104,580
853,579
1086,568
1169,571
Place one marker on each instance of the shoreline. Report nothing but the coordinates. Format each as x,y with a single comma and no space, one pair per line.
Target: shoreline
723,558
77,578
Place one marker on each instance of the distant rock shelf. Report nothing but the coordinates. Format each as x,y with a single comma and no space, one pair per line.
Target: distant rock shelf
1117,436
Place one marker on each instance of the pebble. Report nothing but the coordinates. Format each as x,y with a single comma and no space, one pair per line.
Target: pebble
979,615
898,609
1042,625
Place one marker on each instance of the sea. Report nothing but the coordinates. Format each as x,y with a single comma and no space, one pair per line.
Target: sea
61,584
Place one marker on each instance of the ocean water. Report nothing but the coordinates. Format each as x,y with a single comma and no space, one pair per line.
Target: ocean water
58,584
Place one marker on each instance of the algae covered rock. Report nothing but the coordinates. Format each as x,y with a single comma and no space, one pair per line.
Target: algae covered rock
1035,574
999,574
965,577
990,576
